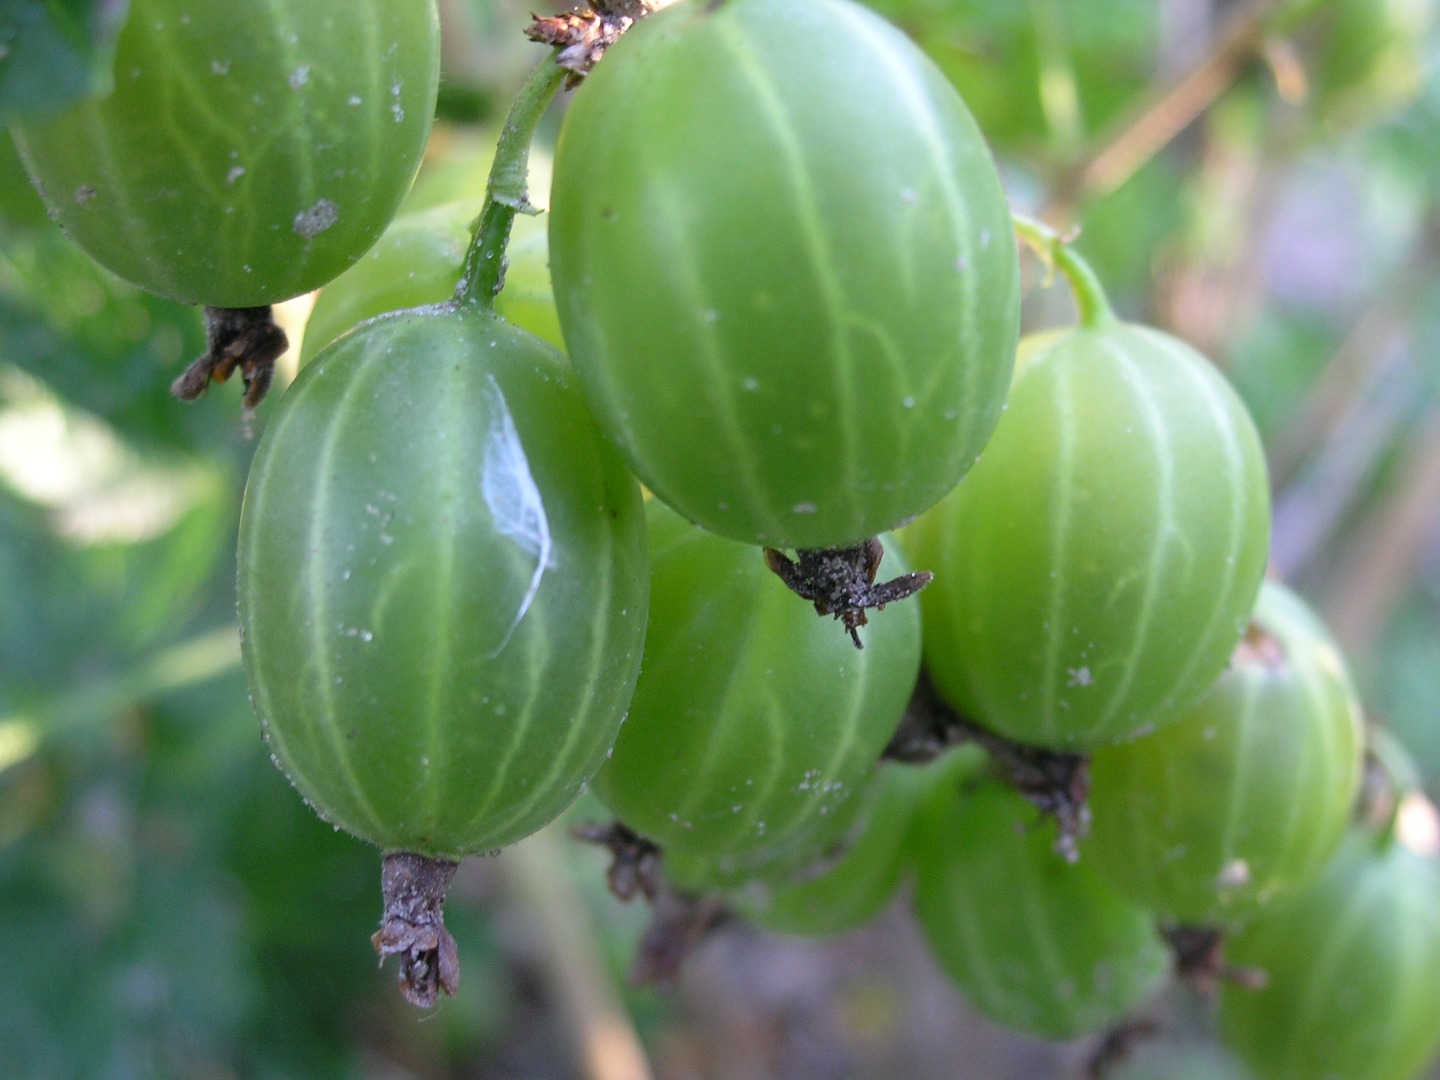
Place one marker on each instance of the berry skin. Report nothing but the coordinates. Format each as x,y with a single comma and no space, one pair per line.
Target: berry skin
754,723
443,584
850,886
784,267
1351,964
1094,572
1036,943
1247,795
251,151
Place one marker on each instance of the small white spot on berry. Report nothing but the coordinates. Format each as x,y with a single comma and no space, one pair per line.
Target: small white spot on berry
312,222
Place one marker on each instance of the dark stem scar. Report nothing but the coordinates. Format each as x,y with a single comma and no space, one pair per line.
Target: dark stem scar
679,920
583,34
1199,957
1118,1044
246,339
1057,783
634,861
841,581
413,926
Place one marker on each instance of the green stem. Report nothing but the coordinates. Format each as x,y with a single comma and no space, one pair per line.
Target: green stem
506,194
1400,777
1054,250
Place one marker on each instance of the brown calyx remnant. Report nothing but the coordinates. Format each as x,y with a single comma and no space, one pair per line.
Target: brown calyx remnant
1200,960
634,861
1057,783
1119,1043
679,921
413,926
583,34
243,338
1259,648
841,581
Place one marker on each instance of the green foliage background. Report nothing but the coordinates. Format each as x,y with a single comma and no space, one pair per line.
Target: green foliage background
169,908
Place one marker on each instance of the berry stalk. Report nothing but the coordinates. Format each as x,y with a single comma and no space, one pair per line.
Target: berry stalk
1054,250
507,190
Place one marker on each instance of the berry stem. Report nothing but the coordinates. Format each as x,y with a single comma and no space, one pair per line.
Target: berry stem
1398,780
506,192
1054,250
413,926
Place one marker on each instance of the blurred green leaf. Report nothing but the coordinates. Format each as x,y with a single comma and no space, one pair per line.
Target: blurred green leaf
55,52
20,203
1005,60
104,345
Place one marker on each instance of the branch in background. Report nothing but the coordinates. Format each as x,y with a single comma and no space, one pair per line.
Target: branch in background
1375,334
1138,138
1310,510
603,1036
1378,564
1210,294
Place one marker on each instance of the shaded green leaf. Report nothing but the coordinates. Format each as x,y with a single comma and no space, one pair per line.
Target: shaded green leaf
56,52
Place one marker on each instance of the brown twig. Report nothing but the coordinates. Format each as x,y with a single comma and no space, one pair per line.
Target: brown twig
1123,151
1313,507
1382,558
1375,334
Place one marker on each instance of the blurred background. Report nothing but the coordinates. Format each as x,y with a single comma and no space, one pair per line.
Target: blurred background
1260,178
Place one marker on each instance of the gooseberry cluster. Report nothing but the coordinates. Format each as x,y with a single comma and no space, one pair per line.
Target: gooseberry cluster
782,273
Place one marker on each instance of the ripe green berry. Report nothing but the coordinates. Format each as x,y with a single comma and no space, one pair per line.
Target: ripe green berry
784,267
852,885
250,151
1248,794
1095,570
442,584
753,721
1351,964
1037,943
